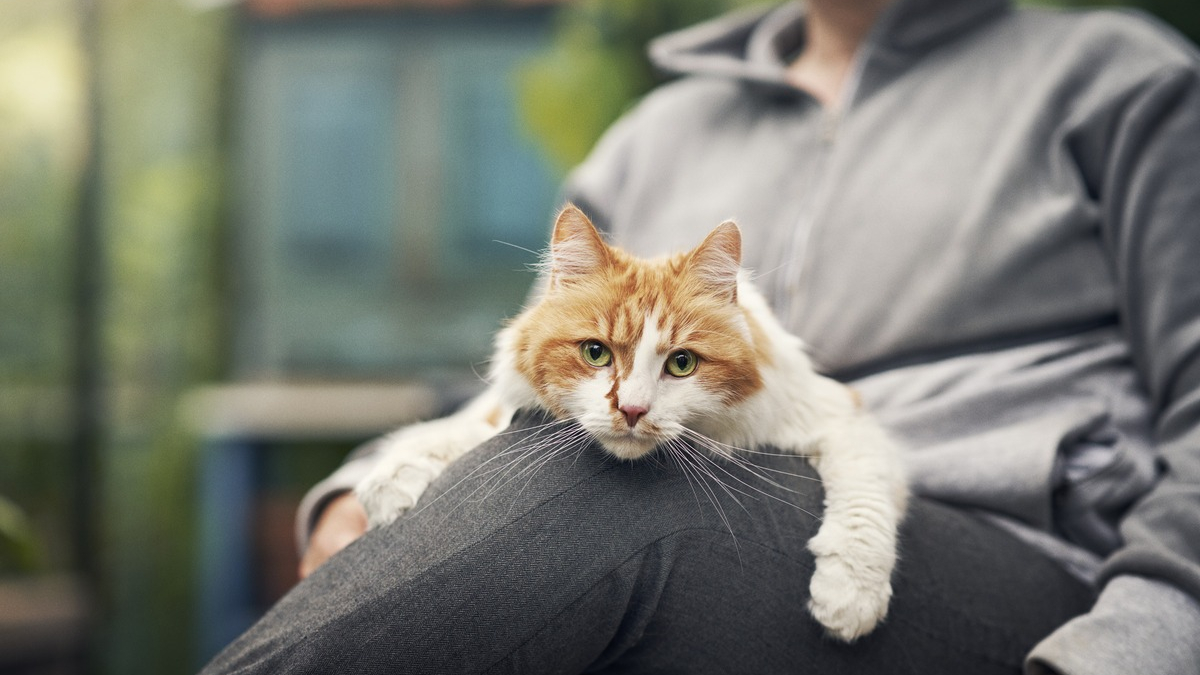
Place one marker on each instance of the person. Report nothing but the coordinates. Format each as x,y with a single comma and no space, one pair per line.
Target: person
982,217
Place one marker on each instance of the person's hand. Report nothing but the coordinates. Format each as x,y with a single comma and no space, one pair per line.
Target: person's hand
342,521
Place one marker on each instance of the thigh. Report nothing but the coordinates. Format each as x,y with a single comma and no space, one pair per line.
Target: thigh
969,597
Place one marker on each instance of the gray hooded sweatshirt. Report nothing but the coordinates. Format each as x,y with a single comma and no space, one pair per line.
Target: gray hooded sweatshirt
996,238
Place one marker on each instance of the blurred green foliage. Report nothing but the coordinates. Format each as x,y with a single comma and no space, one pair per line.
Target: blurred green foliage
40,148
160,68
162,72
18,544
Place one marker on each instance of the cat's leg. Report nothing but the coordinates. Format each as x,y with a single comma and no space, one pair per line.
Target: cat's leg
414,456
855,547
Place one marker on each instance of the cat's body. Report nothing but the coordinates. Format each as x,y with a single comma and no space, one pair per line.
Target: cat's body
643,354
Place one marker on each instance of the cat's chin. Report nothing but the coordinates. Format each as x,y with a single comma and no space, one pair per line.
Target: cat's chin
627,447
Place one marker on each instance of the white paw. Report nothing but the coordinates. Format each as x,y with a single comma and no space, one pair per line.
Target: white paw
851,586
394,487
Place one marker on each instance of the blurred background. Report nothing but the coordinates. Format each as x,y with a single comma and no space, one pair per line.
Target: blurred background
237,239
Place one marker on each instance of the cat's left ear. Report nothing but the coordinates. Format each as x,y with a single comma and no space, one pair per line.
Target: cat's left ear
717,260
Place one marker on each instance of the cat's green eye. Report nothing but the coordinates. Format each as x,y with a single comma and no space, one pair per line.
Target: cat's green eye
681,363
595,353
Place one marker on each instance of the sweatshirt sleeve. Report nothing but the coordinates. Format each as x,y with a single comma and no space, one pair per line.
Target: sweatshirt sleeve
1151,202
1137,626
337,483
1147,618
341,481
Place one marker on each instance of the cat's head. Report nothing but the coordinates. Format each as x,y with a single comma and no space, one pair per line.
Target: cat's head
636,350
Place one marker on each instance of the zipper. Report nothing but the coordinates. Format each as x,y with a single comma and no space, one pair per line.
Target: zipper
791,305
830,122
828,127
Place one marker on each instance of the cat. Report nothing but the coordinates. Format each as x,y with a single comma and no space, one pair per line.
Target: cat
640,352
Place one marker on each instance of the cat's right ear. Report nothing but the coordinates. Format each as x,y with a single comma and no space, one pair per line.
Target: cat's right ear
717,260
576,248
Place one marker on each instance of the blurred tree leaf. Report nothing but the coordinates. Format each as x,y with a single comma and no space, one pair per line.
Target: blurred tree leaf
19,550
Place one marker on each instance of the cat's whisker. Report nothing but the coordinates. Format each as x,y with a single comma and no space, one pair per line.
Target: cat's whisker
686,464
554,455
764,453
704,462
582,447
755,275
754,470
566,438
510,471
536,428
780,472
674,454
744,464
532,469
483,467
751,468
519,248
706,471
489,476
733,454
479,376
685,455
558,446
497,479
748,451
564,447
738,449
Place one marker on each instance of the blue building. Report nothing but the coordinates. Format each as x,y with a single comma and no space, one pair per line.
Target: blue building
385,189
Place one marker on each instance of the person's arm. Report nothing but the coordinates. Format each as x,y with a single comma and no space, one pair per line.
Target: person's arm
341,522
329,516
1148,184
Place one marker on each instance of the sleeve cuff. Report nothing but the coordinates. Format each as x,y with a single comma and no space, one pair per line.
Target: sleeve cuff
1138,625
339,482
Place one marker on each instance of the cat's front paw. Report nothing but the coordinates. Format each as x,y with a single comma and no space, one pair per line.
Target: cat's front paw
393,488
851,586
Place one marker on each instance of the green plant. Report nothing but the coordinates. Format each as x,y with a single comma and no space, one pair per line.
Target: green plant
19,550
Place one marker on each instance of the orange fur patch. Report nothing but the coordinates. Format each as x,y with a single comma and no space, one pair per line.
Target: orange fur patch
856,397
494,417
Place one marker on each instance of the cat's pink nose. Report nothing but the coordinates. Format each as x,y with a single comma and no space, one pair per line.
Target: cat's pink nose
633,413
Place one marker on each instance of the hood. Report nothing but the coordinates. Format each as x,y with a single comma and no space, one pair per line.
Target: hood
754,44
757,44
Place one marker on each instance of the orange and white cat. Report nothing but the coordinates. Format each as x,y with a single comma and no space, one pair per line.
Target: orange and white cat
642,353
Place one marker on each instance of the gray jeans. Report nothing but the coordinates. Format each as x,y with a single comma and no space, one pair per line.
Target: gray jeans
535,558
